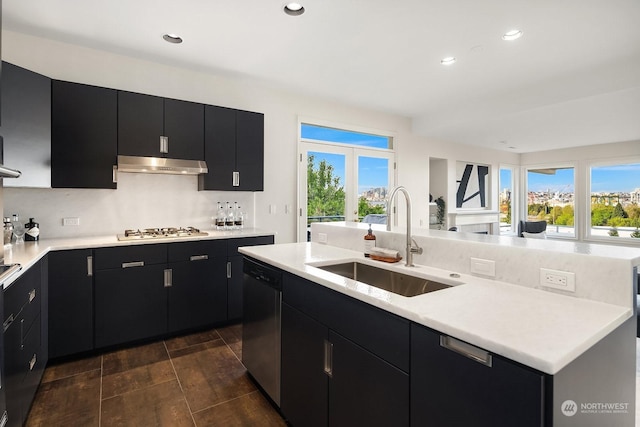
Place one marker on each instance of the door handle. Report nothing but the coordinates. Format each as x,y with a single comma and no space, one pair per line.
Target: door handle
236,179
168,278
164,144
198,257
328,358
228,269
89,266
467,350
133,264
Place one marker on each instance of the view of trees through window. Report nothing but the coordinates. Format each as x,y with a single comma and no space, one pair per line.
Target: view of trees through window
505,199
615,200
551,197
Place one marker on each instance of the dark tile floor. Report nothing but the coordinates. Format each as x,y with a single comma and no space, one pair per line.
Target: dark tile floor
194,380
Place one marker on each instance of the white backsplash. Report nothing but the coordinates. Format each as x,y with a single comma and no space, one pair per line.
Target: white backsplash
141,201
603,273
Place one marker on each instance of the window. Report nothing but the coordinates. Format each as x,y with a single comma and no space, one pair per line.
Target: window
344,175
505,199
551,197
615,201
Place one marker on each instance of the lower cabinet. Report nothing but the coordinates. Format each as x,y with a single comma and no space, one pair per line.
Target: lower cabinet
456,384
331,372
197,295
130,295
70,302
25,350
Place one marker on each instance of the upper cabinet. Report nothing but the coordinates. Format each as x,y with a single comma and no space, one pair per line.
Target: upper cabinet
152,126
234,150
26,126
84,136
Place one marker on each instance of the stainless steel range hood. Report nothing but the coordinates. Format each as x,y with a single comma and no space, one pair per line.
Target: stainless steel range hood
161,165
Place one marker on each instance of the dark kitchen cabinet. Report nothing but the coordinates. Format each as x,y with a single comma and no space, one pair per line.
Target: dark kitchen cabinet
130,295
446,373
234,272
26,125
70,302
198,293
84,140
362,352
233,150
25,350
146,121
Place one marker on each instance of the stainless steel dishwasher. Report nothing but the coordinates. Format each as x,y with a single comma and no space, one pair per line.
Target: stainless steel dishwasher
262,303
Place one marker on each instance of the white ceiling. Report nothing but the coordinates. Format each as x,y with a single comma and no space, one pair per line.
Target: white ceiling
573,78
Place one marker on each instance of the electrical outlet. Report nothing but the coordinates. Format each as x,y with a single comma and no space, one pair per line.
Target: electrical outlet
322,237
71,221
485,267
557,279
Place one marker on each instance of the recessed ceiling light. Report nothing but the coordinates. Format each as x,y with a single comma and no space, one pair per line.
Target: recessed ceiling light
293,9
448,60
512,35
172,38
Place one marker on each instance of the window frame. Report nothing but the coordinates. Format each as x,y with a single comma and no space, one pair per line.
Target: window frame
515,197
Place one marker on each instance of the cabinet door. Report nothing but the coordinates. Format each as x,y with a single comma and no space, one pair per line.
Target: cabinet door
304,389
219,148
442,381
364,389
130,304
70,302
250,150
26,126
198,293
140,124
234,282
184,126
84,136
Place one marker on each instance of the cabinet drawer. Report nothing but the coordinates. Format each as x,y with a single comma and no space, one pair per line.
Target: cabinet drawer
382,333
22,298
130,256
234,244
193,251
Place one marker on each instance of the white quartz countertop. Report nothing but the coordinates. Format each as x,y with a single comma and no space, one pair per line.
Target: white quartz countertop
540,329
29,253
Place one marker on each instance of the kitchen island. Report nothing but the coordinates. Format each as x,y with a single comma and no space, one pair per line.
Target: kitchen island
550,345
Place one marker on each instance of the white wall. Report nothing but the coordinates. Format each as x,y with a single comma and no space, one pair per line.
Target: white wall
282,109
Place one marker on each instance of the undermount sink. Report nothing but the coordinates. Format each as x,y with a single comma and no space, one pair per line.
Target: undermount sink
391,281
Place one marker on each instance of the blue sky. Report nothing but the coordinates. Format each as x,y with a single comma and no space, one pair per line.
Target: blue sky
604,179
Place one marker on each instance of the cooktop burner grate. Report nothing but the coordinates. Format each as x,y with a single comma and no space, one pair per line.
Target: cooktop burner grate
159,233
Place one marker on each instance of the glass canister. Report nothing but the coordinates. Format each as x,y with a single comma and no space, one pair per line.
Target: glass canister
8,230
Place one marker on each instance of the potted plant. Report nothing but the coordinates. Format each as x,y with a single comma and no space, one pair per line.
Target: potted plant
441,212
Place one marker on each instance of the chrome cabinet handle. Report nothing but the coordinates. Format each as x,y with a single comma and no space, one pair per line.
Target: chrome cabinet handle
467,350
32,362
228,269
328,358
89,266
32,295
114,176
168,278
236,179
8,322
198,257
133,264
21,334
164,144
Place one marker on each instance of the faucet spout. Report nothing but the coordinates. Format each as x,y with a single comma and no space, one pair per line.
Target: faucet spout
411,249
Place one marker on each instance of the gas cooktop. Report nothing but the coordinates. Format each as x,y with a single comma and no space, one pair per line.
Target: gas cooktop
161,233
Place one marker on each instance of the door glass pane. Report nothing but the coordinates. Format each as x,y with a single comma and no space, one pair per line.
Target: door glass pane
373,185
325,187
550,194
506,192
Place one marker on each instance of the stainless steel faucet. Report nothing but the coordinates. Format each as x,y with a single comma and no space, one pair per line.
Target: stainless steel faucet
411,249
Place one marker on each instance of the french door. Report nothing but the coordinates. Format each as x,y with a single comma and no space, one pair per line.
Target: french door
341,183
